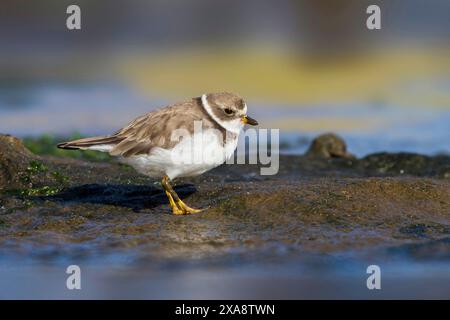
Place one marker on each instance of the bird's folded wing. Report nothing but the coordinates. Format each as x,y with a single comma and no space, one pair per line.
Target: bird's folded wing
155,129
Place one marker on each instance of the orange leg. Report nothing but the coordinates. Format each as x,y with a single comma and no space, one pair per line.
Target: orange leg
178,206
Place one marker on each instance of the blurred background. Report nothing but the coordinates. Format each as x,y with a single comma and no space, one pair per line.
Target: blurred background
304,66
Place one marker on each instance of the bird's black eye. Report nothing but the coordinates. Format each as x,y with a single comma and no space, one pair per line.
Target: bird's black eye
228,111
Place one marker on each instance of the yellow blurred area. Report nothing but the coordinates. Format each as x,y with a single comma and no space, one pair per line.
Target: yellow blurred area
274,76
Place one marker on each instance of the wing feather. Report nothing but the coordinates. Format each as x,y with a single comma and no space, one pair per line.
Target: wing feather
148,131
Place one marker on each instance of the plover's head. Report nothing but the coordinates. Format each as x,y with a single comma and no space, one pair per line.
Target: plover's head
228,110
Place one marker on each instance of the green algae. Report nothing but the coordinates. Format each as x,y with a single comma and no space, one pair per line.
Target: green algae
46,145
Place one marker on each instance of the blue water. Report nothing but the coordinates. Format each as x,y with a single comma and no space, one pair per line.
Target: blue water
283,276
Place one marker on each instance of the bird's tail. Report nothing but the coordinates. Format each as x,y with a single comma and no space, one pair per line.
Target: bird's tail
104,143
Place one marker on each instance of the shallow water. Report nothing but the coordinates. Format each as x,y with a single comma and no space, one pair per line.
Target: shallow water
305,276
101,109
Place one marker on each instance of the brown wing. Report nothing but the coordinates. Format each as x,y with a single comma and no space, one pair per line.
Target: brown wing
155,129
151,130
87,143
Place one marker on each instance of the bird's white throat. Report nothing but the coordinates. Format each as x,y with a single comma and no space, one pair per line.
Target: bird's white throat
234,126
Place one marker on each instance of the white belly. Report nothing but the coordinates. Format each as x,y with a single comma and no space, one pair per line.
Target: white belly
193,156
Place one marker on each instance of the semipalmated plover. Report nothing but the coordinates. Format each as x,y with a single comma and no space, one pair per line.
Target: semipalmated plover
181,140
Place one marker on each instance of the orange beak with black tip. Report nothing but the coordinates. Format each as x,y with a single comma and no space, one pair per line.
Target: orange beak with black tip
250,121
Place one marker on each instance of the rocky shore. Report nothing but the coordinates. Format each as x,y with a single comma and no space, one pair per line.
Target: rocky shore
322,202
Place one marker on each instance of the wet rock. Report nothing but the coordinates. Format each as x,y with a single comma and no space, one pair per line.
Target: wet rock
328,155
406,164
14,161
327,146
313,204
316,215
22,172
